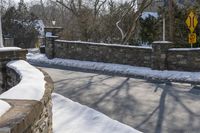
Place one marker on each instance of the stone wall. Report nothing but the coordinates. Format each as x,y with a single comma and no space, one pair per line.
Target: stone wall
25,116
5,57
184,59
108,53
28,116
160,56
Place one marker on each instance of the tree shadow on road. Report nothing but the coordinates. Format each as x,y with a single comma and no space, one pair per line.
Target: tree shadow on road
188,126
120,101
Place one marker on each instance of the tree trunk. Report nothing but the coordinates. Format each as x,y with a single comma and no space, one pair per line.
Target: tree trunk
1,34
171,20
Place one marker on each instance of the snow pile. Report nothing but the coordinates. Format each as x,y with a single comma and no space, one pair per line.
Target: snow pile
9,48
193,77
4,107
72,117
31,86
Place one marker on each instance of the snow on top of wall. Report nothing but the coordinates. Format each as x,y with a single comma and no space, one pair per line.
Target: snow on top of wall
31,86
163,42
184,49
147,14
72,117
9,48
180,76
4,107
105,44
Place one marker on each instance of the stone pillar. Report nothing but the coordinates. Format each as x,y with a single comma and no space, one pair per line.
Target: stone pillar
159,54
49,48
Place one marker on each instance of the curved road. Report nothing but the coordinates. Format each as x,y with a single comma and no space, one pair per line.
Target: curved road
151,107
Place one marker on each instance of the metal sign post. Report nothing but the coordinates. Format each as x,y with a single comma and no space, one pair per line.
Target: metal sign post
164,28
192,21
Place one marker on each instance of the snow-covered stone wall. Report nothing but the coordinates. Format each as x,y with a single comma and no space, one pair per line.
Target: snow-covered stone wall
99,52
7,54
161,56
28,91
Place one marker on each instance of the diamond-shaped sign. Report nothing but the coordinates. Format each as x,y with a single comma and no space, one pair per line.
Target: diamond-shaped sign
192,21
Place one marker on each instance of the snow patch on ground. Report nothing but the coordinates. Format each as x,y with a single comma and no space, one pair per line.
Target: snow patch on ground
4,107
72,117
9,48
117,68
31,86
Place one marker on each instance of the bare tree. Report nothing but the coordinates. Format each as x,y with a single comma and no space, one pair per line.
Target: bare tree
97,6
71,6
1,34
87,15
126,35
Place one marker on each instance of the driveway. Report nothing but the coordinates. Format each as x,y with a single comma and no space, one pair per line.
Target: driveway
148,106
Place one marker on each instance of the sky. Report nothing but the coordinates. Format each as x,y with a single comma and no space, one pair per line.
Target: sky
19,1
24,0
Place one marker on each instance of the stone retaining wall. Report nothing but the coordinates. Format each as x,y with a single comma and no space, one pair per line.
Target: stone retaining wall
28,116
120,54
184,59
25,116
160,56
5,57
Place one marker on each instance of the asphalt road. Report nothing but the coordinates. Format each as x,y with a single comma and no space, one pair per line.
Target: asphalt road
151,107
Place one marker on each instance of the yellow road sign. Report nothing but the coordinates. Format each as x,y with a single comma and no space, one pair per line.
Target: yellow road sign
192,21
192,38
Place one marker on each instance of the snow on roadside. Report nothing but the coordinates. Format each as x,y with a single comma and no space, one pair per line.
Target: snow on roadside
72,117
4,107
180,76
106,44
9,48
31,86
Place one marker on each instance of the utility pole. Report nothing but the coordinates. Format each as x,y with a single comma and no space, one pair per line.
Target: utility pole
1,34
164,19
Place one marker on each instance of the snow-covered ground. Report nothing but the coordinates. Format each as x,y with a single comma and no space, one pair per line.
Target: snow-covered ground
31,86
193,77
68,116
3,107
72,117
